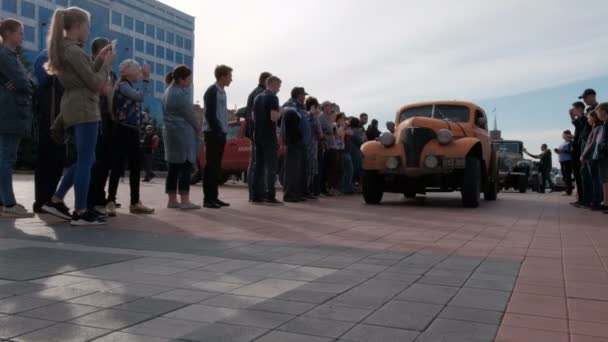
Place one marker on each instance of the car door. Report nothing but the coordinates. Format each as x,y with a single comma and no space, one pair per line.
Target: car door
481,132
238,148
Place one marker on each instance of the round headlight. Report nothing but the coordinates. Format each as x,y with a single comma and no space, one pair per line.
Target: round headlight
387,139
445,136
431,162
392,163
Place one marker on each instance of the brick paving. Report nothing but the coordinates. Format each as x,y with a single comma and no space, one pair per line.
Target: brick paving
525,268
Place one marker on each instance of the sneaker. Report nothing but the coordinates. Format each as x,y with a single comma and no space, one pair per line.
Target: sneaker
273,201
189,206
59,210
222,203
17,210
257,201
111,209
88,218
175,205
291,200
211,205
101,208
99,214
139,208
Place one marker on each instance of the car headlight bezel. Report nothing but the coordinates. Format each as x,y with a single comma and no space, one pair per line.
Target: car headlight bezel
387,139
445,136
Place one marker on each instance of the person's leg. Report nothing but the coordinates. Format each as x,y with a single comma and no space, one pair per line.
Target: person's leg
117,161
347,177
567,175
290,171
171,184
586,182
134,158
183,184
595,183
543,179
85,136
251,171
214,149
258,173
271,165
44,164
576,167
9,145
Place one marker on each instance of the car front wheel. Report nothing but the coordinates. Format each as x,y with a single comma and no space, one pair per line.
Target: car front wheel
471,183
373,187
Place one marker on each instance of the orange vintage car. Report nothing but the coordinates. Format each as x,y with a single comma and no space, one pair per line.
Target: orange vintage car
439,146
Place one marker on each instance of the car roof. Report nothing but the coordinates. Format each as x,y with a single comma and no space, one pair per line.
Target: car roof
507,141
451,103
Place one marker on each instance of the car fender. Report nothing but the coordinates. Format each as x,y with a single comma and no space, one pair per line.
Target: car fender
375,154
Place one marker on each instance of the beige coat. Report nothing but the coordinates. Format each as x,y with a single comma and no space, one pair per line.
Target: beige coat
82,80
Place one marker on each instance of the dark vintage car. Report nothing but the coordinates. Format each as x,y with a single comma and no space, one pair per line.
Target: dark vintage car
514,170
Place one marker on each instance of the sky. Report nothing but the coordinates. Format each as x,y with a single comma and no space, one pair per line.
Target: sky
528,60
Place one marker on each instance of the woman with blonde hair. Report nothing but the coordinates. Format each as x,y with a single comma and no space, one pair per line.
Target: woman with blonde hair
83,79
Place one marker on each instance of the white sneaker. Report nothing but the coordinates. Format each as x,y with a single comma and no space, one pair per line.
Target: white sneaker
189,206
16,211
102,209
139,208
111,209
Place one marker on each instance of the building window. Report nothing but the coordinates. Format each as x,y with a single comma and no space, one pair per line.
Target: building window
63,3
188,60
168,69
9,6
150,31
139,27
160,87
188,44
128,22
28,9
149,49
139,45
169,54
140,60
170,38
160,69
160,34
160,52
116,18
29,33
179,41
179,58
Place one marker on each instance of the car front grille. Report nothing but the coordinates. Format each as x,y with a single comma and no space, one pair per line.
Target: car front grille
415,140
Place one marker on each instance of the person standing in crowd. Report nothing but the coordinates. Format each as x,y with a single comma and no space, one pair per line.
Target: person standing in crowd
347,161
181,133
565,160
103,151
373,132
601,150
326,121
357,140
127,118
590,171
390,126
16,90
51,155
581,134
266,113
545,166
249,128
363,118
314,108
215,128
295,154
307,136
83,79
150,144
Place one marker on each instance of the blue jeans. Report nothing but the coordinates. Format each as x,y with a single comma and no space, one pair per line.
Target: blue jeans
9,145
347,175
79,174
596,182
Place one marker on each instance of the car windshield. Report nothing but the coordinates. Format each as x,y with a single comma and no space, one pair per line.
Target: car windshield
442,112
508,147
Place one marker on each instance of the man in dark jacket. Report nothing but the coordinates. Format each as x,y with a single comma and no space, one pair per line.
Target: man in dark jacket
249,128
291,131
215,129
373,132
581,134
546,164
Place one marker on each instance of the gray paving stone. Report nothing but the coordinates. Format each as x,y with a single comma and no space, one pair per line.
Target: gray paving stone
103,300
21,288
338,262
424,259
280,336
63,333
225,333
409,269
316,327
381,288
405,315
96,285
338,313
378,261
138,290
509,268
266,270
345,277
433,294
165,328
373,269
305,296
258,319
402,277
111,319
233,301
325,287
481,299
358,300
443,330
60,293
60,312
230,266
151,306
11,326
306,273
283,306
60,280
123,337
372,333
202,313
269,288
215,286
185,296
460,263
456,281
471,315
17,304
491,281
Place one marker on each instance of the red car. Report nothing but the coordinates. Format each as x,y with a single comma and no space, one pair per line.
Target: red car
236,153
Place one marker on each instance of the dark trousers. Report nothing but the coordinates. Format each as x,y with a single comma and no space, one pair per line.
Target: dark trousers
101,168
214,148
545,177
566,167
49,165
322,177
592,185
265,171
126,147
578,179
178,178
294,171
148,163
335,166
251,171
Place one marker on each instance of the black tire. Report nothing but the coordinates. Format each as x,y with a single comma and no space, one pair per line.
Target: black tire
410,194
522,184
471,183
491,190
373,187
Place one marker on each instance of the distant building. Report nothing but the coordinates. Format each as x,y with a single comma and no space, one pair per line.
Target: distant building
147,31
495,134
